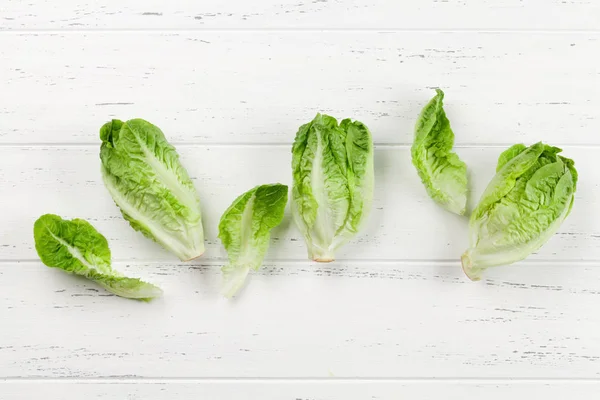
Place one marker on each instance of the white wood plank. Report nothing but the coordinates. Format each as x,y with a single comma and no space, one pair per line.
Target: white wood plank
298,320
303,390
404,222
405,14
259,87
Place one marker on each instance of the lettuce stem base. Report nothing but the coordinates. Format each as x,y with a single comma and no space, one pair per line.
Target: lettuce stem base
194,257
320,255
472,272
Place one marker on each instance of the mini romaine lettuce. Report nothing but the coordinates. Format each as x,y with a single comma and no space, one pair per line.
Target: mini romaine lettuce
77,248
523,206
245,230
333,183
441,171
142,172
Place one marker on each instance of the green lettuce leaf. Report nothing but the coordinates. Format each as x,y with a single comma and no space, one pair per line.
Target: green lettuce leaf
522,207
441,171
245,230
77,248
333,183
142,172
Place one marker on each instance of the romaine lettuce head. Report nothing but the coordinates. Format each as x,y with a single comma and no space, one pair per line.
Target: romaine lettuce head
77,248
245,230
441,171
523,206
333,183
142,172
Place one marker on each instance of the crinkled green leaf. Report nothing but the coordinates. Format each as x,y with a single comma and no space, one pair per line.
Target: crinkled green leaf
145,178
509,154
333,182
245,230
78,248
521,208
441,171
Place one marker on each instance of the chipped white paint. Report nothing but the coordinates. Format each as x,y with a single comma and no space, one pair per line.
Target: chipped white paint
259,87
344,320
299,14
230,82
303,390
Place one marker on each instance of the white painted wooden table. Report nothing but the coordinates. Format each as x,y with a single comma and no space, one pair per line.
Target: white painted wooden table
230,82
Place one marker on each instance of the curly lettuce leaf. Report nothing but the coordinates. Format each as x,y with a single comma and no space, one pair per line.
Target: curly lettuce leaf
245,230
441,171
145,178
333,183
76,247
522,207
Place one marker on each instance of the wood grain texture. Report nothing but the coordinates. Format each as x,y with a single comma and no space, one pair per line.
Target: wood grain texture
303,390
404,223
344,320
230,82
259,87
294,14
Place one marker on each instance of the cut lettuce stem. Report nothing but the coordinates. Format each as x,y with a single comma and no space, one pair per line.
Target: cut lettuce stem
473,273
321,255
323,259
200,254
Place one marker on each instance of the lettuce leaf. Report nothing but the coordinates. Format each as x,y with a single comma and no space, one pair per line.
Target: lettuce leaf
333,183
142,172
441,171
522,207
245,230
77,248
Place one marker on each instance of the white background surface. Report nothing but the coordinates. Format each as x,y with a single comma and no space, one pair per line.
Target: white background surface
229,83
